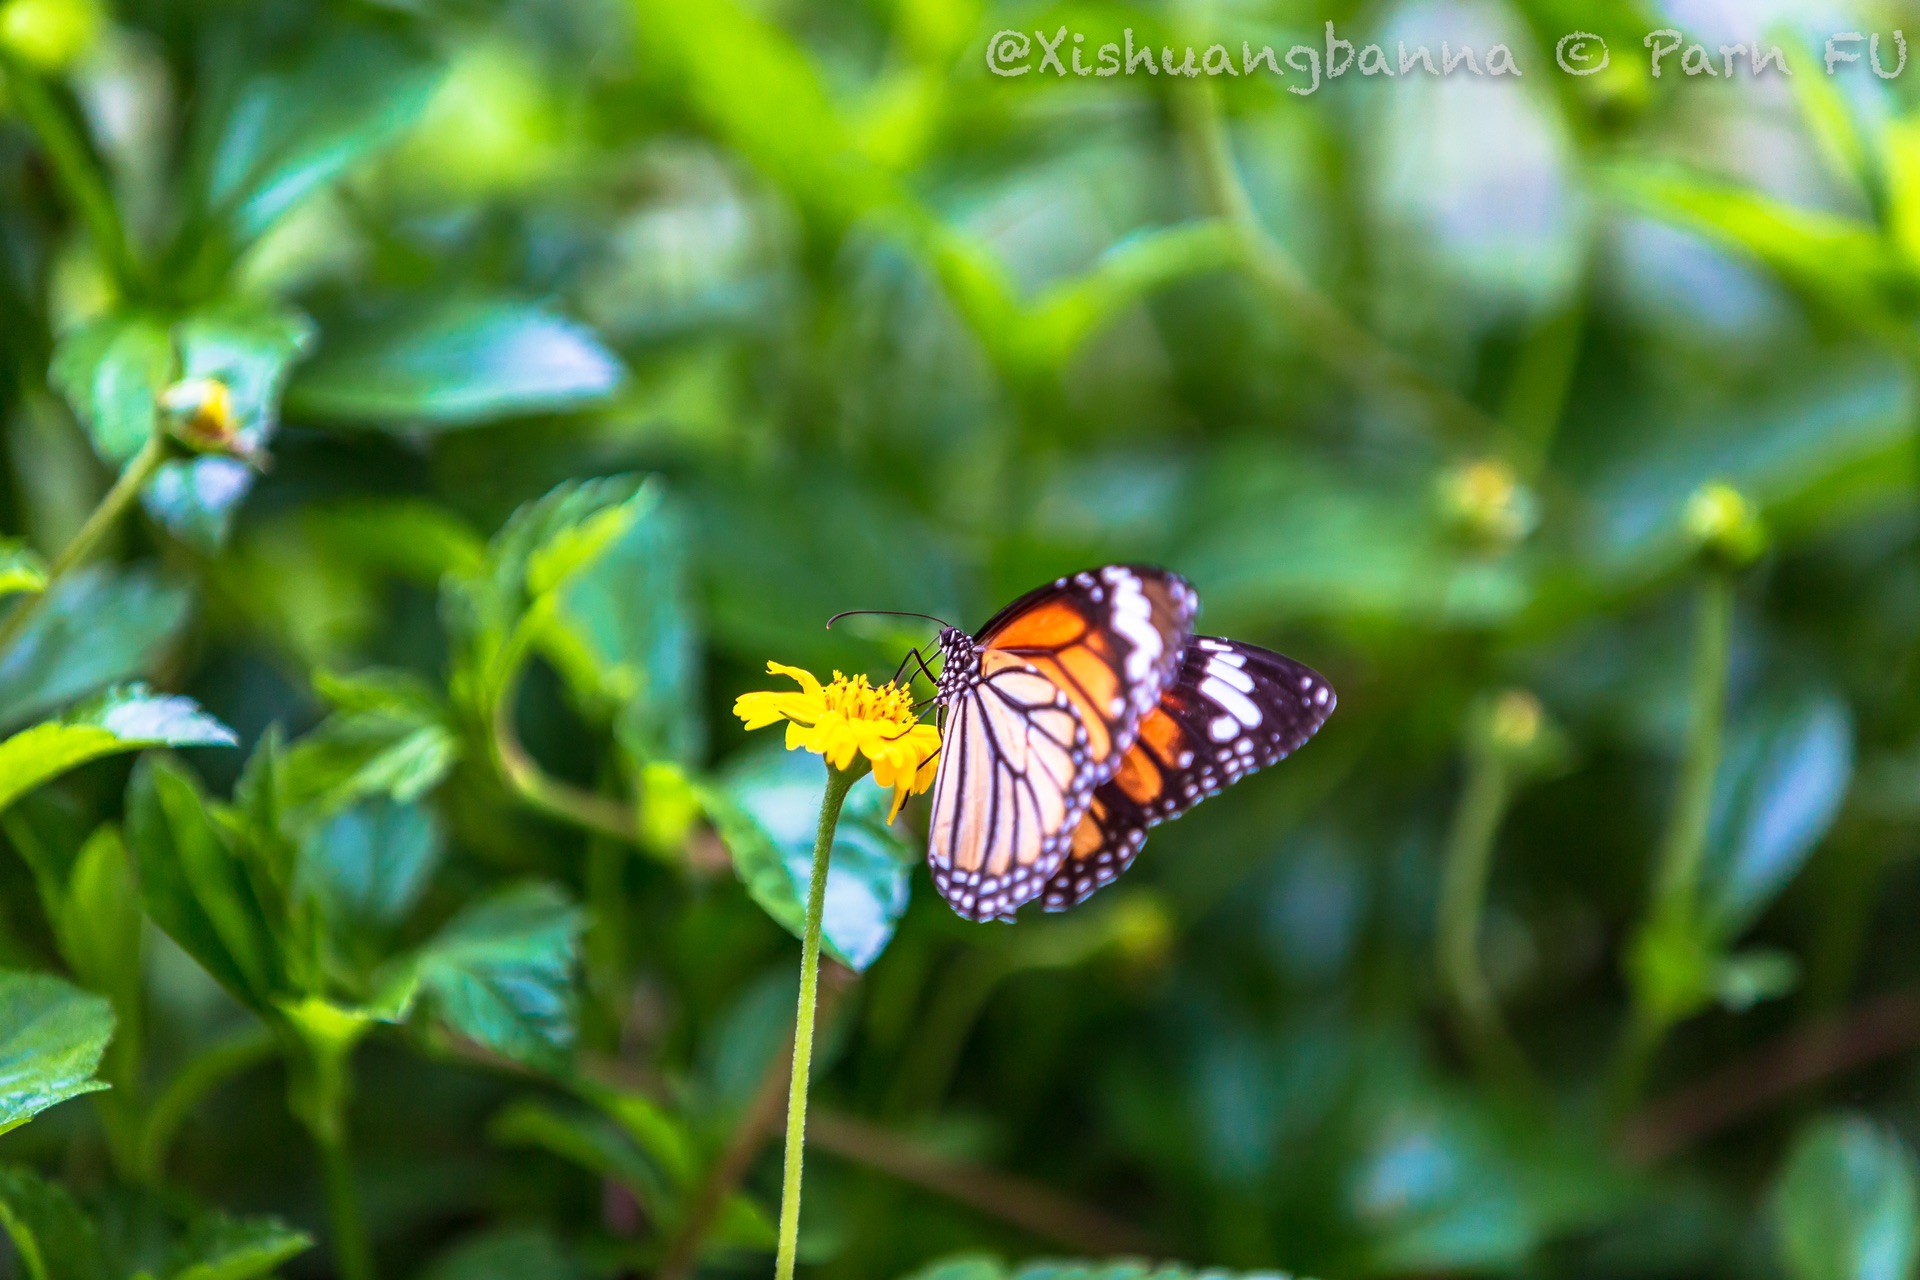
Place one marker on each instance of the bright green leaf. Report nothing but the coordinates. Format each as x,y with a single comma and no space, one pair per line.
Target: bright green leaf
51,1037
123,719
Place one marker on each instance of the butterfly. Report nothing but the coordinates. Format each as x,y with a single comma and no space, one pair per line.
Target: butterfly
1081,715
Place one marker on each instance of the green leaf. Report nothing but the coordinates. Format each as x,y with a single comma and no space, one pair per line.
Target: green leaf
1787,766
1846,1206
506,1253
97,626
194,886
123,719
289,132
367,867
112,371
51,1037
1747,978
621,629
1843,263
52,1237
501,973
22,571
767,810
97,921
456,364
593,1143
217,1247
389,737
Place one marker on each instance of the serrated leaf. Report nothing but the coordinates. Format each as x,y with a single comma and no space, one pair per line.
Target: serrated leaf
51,1235
367,866
1846,1206
217,1247
501,973
125,719
457,364
98,625
51,1037
767,809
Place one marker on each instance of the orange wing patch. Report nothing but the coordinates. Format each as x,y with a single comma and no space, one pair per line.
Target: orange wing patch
1053,625
1139,777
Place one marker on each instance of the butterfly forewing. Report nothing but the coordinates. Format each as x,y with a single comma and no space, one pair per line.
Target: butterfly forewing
1233,708
1040,710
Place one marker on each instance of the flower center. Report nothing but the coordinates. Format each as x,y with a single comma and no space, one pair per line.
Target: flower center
856,699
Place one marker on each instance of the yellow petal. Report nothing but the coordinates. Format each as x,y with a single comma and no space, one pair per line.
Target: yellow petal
808,685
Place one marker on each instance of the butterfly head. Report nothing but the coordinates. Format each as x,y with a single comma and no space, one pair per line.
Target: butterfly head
958,662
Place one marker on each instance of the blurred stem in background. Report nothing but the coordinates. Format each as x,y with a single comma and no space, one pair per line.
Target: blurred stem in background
1502,737
320,1040
839,781
524,776
63,138
158,448
1672,962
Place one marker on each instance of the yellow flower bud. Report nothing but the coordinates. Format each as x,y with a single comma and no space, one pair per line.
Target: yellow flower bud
1486,501
200,412
1725,525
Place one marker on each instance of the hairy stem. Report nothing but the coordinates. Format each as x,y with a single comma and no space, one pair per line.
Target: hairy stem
86,540
838,782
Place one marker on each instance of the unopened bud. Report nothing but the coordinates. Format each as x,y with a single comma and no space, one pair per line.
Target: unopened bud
199,414
1486,501
1725,525
1512,726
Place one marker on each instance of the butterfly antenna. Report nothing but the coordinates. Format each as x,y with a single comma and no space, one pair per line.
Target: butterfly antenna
894,613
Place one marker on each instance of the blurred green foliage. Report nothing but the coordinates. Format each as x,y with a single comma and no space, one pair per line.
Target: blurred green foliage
453,404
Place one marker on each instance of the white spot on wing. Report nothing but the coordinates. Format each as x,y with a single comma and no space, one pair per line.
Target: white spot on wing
1222,728
1231,700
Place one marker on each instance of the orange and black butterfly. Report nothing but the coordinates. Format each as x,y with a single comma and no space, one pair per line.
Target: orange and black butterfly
1084,713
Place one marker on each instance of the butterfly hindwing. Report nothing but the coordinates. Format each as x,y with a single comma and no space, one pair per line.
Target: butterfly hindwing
1233,708
1040,710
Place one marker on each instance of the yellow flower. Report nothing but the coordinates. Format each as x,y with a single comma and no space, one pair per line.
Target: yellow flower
848,719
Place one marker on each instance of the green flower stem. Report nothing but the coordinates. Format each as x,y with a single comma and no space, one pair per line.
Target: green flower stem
319,1089
76,169
1463,893
839,781
158,448
1667,968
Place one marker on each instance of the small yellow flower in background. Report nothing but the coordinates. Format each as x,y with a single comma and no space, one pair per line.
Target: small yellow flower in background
847,719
